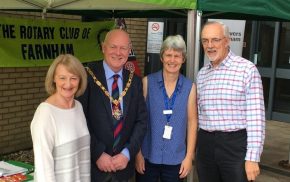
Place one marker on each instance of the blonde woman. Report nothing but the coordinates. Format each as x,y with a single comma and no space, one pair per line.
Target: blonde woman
61,140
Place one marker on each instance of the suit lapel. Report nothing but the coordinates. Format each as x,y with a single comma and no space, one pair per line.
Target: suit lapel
127,97
100,74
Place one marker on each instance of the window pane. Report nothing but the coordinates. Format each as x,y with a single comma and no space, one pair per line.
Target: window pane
266,89
282,96
284,46
265,43
247,40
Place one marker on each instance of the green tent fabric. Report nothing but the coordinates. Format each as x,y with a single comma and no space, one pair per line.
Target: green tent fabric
279,9
177,4
98,4
105,8
233,9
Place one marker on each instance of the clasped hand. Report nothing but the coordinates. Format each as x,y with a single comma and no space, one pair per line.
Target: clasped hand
114,163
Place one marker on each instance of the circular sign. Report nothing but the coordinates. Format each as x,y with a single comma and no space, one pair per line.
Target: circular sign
155,26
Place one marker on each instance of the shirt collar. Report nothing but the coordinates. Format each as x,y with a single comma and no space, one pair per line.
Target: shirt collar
161,84
109,73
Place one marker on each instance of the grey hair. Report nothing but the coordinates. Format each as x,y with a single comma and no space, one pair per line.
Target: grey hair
224,26
175,42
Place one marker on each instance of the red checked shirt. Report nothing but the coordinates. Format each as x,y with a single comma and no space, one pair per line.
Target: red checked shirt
230,98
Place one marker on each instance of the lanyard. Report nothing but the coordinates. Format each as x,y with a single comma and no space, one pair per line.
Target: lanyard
169,105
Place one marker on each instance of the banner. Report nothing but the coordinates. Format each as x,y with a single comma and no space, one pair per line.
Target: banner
31,42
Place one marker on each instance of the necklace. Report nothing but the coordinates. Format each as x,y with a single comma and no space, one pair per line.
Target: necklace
124,92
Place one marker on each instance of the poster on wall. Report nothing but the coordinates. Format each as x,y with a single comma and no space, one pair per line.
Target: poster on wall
31,42
236,30
155,37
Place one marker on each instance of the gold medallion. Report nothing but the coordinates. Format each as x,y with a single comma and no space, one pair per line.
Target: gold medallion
116,112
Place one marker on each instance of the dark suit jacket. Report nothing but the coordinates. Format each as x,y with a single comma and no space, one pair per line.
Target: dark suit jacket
97,109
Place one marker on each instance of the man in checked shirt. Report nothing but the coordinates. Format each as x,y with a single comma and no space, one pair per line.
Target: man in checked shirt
231,112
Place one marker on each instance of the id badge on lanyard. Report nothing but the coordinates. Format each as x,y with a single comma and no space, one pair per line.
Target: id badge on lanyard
167,132
168,112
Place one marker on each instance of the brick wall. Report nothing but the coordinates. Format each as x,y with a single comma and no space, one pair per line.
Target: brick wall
137,29
22,89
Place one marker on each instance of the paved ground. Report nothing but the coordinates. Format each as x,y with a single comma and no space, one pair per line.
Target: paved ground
265,176
276,149
268,176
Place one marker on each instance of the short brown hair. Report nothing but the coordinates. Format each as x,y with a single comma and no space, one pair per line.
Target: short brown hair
73,65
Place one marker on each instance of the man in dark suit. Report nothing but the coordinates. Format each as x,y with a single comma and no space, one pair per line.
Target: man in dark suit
117,124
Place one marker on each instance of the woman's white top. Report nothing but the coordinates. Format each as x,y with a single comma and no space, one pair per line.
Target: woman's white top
61,144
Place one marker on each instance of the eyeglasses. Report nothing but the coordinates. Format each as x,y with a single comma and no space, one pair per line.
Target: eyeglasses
213,41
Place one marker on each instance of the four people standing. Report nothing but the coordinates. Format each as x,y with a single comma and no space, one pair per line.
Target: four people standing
169,145
231,112
229,101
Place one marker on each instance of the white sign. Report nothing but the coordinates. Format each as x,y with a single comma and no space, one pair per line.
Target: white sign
237,30
155,36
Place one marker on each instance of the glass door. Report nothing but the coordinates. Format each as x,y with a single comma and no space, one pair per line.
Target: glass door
281,107
267,44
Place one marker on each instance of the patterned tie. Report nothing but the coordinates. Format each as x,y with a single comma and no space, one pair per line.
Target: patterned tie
117,113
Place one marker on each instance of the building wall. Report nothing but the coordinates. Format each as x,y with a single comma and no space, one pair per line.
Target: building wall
137,29
22,89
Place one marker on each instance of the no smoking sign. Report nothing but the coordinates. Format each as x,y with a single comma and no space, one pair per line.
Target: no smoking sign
155,26
154,37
